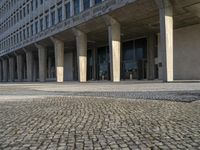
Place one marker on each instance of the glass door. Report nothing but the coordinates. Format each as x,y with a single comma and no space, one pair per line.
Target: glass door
141,57
103,67
134,59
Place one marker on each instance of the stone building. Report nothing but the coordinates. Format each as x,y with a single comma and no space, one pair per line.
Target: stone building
63,40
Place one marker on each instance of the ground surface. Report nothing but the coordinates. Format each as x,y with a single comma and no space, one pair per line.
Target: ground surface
126,115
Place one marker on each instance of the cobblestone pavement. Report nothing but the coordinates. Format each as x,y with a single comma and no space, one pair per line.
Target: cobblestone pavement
69,117
99,123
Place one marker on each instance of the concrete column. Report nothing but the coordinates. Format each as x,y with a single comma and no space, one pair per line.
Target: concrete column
29,64
72,7
44,22
50,21
59,59
151,56
92,3
81,45
11,69
81,5
42,57
56,14
114,47
166,38
1,78
19,67
5,70
63,10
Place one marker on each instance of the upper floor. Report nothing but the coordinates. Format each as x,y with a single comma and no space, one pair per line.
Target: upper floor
22,20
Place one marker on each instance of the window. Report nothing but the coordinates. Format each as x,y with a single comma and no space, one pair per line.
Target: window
47,21
31,29
24,10
27,31
52,18
67,9
14,40
36,3
86,4
17,37
41,24
98,1
36,27
20,35
14,20
20,14
17,16
27,7
76,6
24,34
32,5
60,14
41,1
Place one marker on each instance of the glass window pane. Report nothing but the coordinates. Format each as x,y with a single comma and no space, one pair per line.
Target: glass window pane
41,24
53,18
98,1
47,21
60,14
76,6
86,4
67,9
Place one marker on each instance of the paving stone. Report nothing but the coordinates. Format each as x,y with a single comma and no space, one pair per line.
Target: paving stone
101,120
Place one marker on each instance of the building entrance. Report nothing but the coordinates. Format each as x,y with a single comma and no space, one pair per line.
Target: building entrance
134,59
103,64
90,65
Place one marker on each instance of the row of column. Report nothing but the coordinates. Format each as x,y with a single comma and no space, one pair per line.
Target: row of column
114,33
81,44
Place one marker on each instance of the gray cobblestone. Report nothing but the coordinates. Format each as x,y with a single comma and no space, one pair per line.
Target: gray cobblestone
99,123
100,116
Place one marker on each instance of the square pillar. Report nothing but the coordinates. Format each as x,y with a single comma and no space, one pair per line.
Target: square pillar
63,10
56,14
151,46
11,69
42,56
59,59
114,48
72,7
5,70
29,63
50,19
19,67
166,39
92,3
81,5
81,45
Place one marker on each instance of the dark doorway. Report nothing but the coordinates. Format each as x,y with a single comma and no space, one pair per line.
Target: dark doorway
103,65
134,59
90,65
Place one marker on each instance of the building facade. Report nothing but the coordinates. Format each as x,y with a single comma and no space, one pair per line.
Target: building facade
66,40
